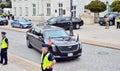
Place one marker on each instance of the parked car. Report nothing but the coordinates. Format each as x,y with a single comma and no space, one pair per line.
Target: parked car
63,45
21,23
3,21
64,22
111,17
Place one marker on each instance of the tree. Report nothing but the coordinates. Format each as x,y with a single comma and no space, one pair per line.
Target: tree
115,6
9,5
3,6
96,7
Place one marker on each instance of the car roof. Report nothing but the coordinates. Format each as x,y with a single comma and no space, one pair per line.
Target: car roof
63,17
42,28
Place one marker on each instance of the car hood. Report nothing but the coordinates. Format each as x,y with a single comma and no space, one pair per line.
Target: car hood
25,22
62,42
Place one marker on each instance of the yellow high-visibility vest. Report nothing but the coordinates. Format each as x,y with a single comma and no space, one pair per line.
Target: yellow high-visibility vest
118,20
3,43
45,63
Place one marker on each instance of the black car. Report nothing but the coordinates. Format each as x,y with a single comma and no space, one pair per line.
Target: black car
111,17
64,22
63,46
3,21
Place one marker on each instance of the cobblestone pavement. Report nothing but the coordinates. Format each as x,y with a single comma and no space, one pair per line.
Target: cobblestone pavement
94,58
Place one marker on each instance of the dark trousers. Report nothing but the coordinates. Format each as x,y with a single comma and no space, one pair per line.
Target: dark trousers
118,25
48,69
4,55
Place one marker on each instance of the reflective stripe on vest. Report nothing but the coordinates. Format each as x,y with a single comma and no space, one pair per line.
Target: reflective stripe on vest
45,63
3,43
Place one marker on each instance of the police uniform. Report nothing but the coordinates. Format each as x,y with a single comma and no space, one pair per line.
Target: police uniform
46,60
118,23
4,47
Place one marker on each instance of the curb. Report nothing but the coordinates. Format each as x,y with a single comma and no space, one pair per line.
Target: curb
14,29
100,43
27,64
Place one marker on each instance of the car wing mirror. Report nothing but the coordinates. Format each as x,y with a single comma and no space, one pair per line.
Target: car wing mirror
40,37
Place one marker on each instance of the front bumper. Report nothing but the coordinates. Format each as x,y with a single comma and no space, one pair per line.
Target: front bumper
60,55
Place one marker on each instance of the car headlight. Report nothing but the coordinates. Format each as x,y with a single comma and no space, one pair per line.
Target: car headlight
54,48
80,46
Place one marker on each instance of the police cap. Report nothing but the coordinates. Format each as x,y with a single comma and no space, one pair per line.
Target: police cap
4,33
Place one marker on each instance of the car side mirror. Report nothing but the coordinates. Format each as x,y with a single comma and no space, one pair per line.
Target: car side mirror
40,37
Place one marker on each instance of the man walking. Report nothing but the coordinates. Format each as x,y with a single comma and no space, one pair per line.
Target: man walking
47,59
4,47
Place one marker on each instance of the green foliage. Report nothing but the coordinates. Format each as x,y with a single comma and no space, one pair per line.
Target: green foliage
115,6
8,0
96,6
2,6
9,5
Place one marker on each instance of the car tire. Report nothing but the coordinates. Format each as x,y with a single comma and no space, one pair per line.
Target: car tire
28,44
77,26
110,23
101,23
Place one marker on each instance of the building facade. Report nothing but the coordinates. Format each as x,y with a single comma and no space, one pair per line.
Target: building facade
45,9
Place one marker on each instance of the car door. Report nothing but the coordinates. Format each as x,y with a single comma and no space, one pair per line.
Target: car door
15,23
38,40
31,37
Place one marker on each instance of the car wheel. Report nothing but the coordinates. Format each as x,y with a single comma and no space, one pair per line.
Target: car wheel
110,23
28,44
101,23
77,26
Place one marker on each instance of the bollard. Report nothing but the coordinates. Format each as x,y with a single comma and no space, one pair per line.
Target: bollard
107,23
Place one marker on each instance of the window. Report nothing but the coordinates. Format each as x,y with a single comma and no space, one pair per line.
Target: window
34,9
20,10
15,11
74,11
60,9
48,9
26,9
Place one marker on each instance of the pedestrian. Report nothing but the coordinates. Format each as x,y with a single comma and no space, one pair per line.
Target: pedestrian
47,59
4,47
12,17
118,23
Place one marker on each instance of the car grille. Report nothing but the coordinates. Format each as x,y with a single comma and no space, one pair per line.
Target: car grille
68,48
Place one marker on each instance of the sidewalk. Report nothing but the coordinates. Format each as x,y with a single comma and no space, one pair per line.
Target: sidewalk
19,64
98,35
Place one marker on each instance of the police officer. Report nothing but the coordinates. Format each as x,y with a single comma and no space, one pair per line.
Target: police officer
47,59
118,23
4,47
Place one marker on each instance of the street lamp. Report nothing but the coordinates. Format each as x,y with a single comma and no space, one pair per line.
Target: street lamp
71,25
107,4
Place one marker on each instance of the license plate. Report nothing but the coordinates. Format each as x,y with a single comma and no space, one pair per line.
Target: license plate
70,54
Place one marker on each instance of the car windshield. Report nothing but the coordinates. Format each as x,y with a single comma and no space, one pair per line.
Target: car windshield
55,34
73,19
52,20
22,20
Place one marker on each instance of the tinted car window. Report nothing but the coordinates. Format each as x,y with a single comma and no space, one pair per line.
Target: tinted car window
75,19
52,20
55,34
22,20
